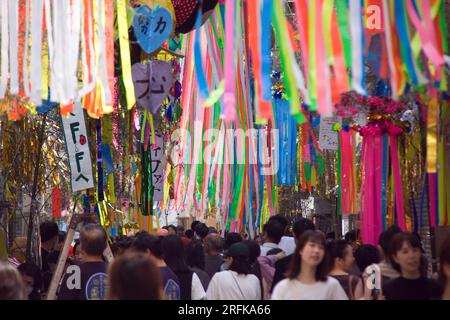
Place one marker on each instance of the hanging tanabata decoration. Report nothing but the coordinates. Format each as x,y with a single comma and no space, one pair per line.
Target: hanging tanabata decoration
152,82
78,149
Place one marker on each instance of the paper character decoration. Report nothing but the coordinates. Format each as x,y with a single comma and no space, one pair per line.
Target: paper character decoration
152,83
152,27
328,138
186,13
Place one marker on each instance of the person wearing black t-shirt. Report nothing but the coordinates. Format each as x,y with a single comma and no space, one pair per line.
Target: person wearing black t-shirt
411,285
49,238
151,245
89,280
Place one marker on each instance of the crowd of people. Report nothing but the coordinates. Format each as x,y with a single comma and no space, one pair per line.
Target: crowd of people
295,262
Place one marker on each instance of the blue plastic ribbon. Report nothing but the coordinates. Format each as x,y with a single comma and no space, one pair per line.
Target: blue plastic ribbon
287,150
107,158
266,47
261,177
199,71
402,27
46,105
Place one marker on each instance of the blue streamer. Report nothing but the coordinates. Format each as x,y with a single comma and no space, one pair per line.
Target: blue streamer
266,47
287,150
384,182
261,177
400,16
199,71
107,158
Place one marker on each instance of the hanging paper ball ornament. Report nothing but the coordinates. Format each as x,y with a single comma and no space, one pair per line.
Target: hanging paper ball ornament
186,13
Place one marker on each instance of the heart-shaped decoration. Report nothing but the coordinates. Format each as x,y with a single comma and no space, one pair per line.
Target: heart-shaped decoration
152,83
152,27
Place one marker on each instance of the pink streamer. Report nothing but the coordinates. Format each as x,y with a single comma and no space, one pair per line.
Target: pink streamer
427,34
371,199
323,76
229,97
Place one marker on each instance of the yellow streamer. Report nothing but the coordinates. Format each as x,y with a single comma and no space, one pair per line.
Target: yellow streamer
111,192
432,148
327,17
125,53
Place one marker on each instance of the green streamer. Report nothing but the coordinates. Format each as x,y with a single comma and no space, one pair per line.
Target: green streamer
279,23
321,164
342,15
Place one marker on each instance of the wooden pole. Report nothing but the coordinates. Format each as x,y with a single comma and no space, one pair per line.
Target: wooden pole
75,221
51,295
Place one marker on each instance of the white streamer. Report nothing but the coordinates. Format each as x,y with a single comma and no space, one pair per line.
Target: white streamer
101,54
357,52
50,45
13,10
4,48
57,79
74,48
36,52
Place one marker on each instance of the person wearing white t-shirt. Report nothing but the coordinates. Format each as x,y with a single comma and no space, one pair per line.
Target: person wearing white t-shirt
235,283
307,278
287,243
273,231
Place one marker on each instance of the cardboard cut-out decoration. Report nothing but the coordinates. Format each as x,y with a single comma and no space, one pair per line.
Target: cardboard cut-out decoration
152,27
152,83
186,13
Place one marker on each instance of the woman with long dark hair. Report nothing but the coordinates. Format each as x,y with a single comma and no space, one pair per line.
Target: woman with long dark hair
340,261
406,257
307,276
235,283
195,259
191,287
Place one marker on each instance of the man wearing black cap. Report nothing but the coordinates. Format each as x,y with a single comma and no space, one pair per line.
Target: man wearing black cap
49,237
235,283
